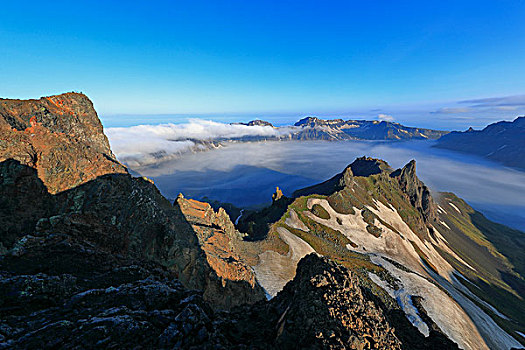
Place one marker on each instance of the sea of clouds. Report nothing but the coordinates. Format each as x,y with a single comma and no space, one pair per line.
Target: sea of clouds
246,174
148,144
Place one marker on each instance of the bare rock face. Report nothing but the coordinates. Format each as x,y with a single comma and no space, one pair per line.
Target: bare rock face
325,307
220,241
328,308
58,291
58,176
417,191
60,136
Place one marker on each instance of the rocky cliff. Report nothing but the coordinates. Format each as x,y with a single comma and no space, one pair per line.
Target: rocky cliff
73,186
222,245
60,136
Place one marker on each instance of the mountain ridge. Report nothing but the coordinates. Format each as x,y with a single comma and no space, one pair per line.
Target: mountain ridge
502,142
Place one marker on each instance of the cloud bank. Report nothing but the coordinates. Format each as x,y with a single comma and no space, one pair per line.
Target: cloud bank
146,144
246,174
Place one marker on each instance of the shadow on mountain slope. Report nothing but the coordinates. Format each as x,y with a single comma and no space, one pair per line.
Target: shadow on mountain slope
114,214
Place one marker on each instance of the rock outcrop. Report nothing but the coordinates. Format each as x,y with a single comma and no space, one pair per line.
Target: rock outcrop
221,243
60,136
326,307
74,187
418,193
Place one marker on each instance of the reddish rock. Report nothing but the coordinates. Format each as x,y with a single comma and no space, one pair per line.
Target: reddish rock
221,243
60,136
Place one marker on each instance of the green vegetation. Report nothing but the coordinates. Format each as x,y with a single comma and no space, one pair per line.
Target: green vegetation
320,212
338,202
495,252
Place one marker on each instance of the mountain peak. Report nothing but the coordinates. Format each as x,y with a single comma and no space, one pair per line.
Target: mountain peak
366,166
307,121
418,193
256,122
314,121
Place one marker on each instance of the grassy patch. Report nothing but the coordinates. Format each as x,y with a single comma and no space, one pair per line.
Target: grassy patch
320,212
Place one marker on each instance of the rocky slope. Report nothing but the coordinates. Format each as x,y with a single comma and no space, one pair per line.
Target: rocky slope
502,142
446,269
98,201
222,244
326,306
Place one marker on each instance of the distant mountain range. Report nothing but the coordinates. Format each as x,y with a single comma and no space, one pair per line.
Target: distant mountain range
177,141
312,128
503,142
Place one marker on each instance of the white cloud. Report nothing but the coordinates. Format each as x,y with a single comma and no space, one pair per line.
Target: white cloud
385,117
146,144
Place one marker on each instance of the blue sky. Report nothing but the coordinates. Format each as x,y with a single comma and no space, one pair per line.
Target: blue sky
443,64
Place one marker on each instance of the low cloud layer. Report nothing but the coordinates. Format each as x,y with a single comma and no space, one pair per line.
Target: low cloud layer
145,144
246,174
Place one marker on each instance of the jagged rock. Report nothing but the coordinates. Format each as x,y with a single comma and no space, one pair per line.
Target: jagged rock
324,307
417,191
60,136
220,241
72,187
277,195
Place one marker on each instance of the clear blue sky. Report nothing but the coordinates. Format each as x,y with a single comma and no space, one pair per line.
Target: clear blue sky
417,61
